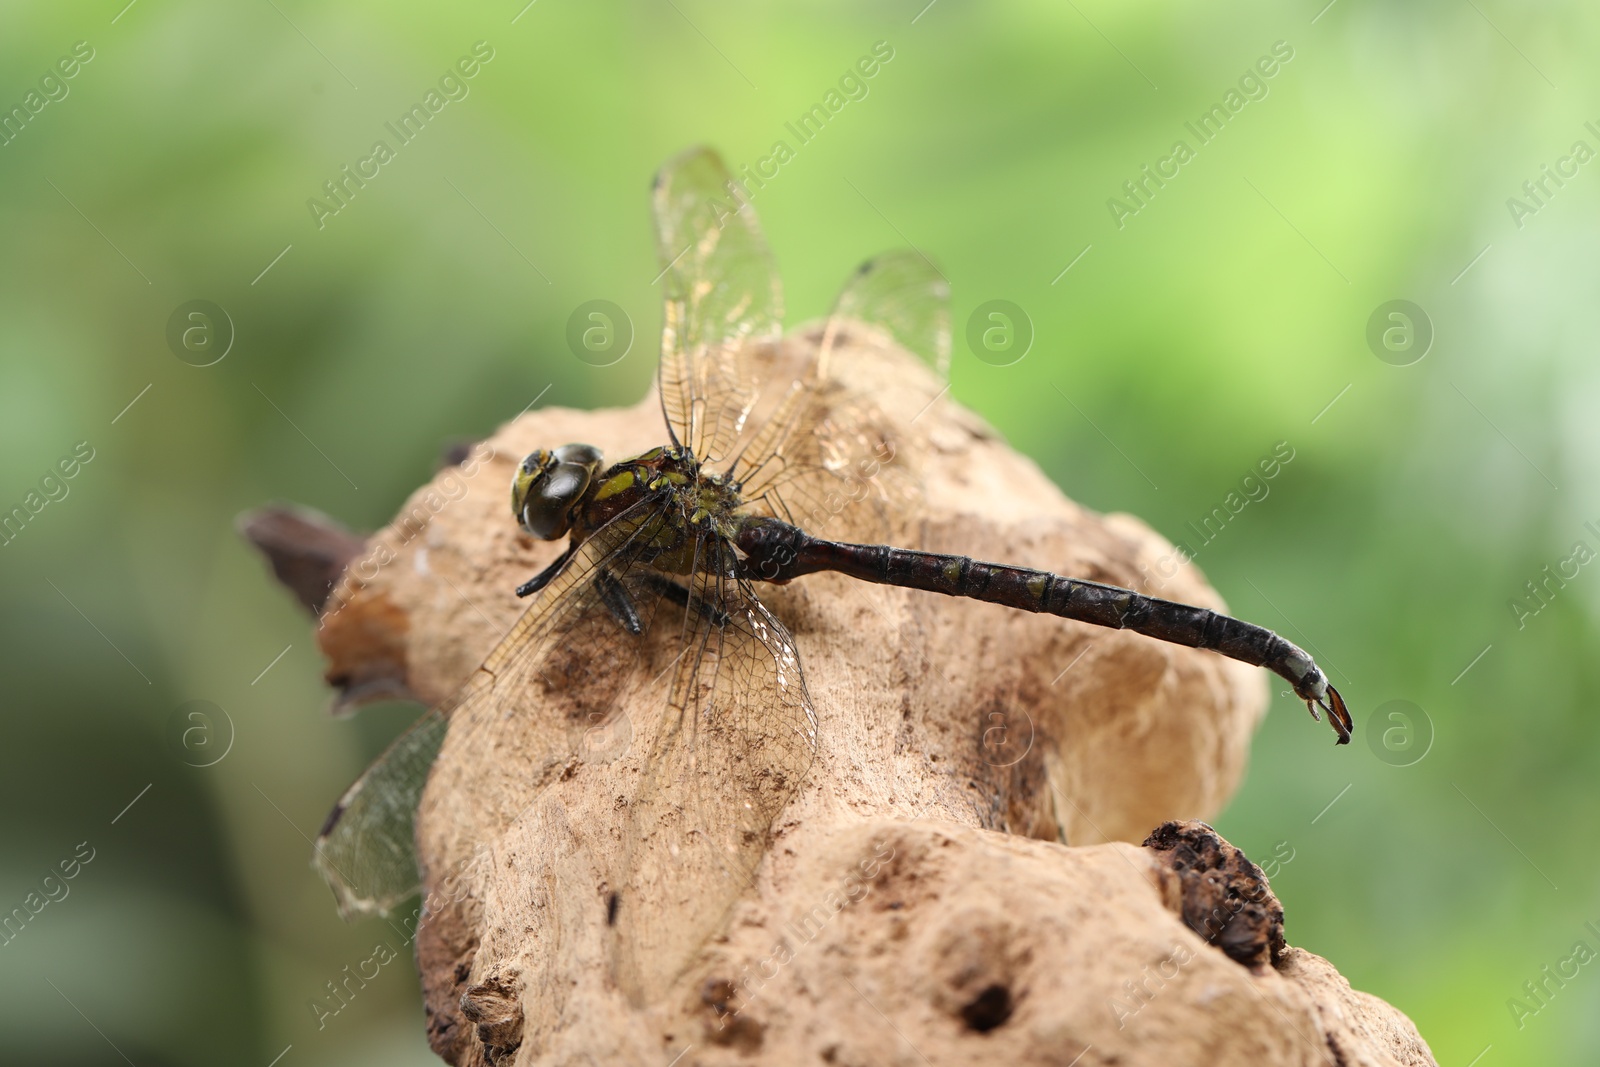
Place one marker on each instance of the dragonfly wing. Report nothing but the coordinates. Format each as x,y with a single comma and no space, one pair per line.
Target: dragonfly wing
722,294
828,459
904,293
838,470
366,850
734,744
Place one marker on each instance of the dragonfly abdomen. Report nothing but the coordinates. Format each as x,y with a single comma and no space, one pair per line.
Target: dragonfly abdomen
776,551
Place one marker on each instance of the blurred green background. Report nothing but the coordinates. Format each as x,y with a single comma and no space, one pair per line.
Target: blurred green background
1440,869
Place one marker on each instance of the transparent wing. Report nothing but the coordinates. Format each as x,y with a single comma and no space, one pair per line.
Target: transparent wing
904,293
722,293
838,472
829,459
736,740
366,851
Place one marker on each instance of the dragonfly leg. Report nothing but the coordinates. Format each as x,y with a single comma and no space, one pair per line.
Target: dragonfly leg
615,596
543,578
617,600
680,596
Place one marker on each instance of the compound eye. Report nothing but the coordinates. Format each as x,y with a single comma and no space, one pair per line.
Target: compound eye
529,474
562,487
583,455
551,496
548,487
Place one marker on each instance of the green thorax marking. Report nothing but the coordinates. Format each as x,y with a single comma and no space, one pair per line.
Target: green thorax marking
667,535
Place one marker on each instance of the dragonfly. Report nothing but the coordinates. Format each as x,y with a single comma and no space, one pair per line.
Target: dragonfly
665,557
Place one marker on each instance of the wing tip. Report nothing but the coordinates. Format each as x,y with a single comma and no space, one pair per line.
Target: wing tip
694,154
351,903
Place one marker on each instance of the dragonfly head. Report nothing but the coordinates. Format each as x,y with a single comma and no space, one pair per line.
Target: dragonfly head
548,487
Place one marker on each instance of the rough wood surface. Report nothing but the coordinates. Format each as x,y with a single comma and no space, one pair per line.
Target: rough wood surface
942,889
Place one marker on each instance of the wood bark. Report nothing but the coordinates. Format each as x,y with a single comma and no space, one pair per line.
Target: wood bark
959,878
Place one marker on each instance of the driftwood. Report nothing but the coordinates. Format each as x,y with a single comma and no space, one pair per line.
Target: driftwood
957,879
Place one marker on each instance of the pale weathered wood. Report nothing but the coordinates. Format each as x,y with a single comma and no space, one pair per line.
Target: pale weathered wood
941,886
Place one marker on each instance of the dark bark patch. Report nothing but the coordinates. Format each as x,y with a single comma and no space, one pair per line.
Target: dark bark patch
1225,898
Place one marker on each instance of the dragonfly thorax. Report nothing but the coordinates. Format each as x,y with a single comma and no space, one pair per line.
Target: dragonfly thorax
672,507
